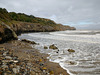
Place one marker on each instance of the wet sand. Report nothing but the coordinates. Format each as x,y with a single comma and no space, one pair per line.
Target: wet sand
39,61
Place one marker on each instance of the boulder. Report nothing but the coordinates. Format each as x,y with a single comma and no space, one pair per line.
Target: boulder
71,50
28,41
6,33
52,47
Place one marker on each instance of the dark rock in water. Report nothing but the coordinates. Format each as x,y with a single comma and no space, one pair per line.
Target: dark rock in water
31,42
52,47
45,47
6,33
57,52
71,62
71,50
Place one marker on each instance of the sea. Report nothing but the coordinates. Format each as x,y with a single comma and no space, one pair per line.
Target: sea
86,43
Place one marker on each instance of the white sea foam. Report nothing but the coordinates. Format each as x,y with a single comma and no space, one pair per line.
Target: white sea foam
85,43
75,38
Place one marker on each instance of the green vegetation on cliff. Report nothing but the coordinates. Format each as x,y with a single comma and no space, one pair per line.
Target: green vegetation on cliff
9,16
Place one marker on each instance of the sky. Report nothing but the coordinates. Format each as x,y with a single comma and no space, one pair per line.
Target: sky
82,14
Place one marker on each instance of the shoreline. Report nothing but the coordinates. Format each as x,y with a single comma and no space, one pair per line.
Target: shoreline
24,51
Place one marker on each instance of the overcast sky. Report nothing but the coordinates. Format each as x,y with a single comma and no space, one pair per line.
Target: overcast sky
77,13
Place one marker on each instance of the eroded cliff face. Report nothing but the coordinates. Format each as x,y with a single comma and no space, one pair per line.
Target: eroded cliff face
6,33
23,27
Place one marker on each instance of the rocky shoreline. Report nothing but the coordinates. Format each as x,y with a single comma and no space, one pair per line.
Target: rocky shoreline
20,58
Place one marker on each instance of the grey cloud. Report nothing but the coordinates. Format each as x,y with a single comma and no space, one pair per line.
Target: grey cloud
61,11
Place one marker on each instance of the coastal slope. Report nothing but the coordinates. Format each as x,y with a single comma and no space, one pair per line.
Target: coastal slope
17,23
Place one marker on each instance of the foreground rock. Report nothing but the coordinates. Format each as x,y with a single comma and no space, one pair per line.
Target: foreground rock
28,41
6,33
71,50
52,47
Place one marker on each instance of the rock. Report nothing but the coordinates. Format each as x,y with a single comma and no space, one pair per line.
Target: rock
51,72
57,52
10,53
11,66
36,74
8,57
52,47
15,70
6,33
5,53
32,73
2,48
71,50
44,68
0,39
61,74
5,73
41,64
15,58
71,62
15,61
7,61
45,47
4,66
0,73
28,41
40,60
9,72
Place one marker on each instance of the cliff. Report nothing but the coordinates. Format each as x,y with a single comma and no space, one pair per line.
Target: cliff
18,23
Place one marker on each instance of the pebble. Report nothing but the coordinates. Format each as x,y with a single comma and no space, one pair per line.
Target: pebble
8,57
15,70
11,65
5,53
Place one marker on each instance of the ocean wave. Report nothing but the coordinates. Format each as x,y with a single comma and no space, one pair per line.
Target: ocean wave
85,58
